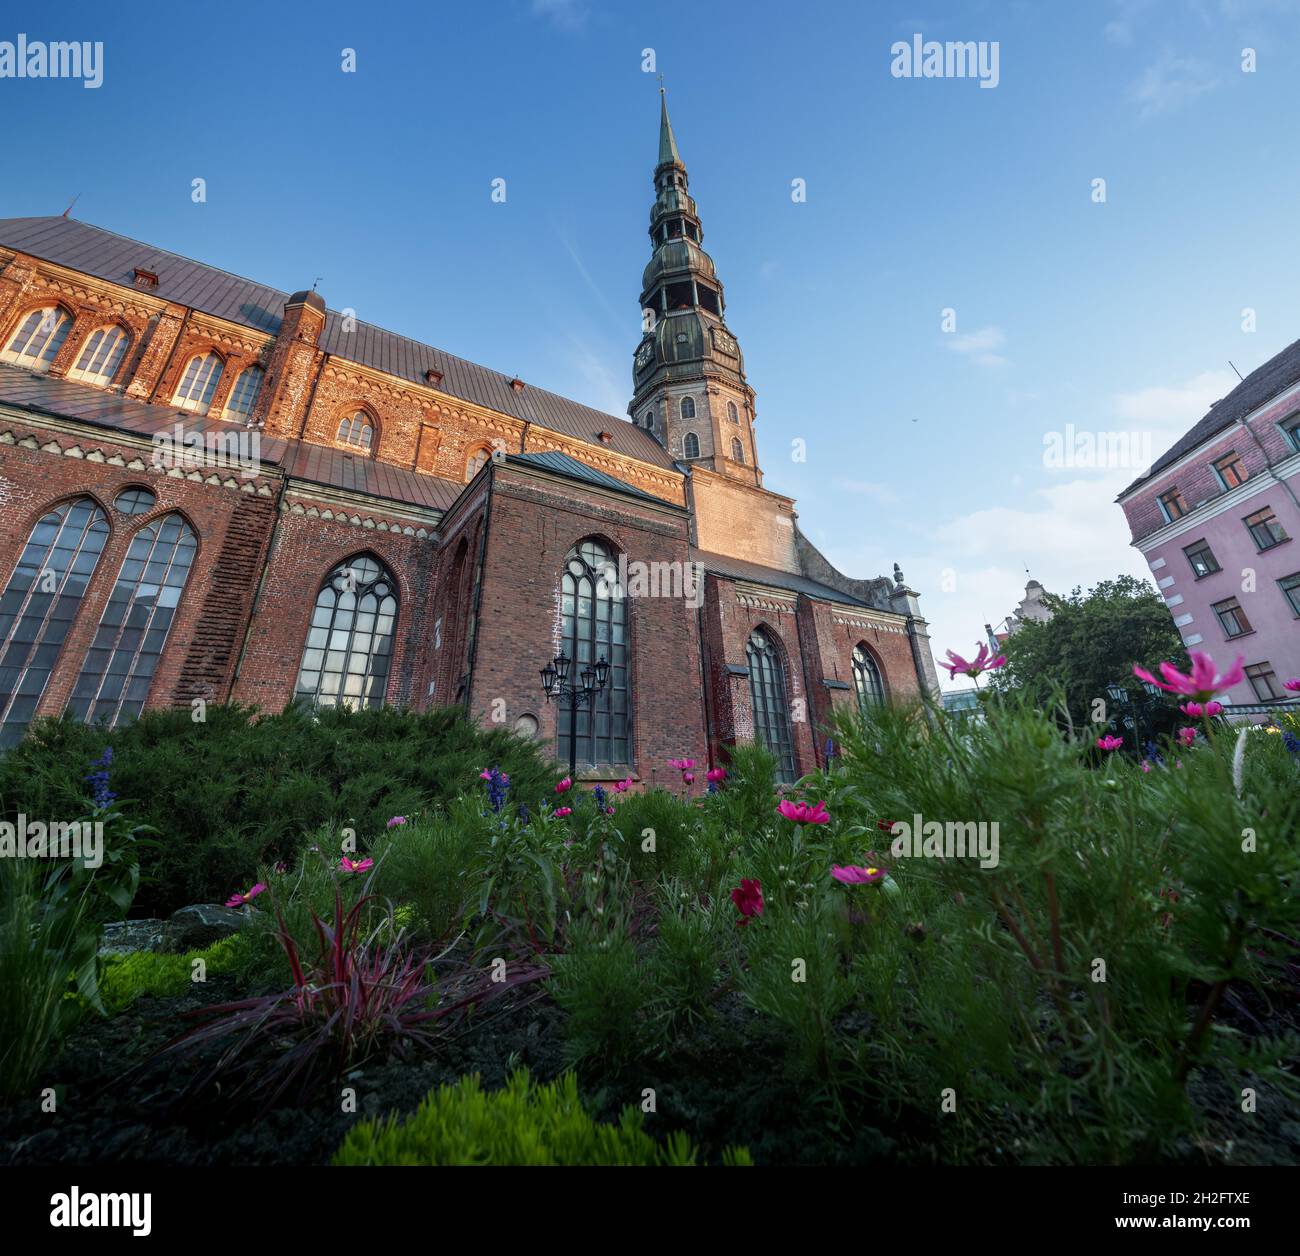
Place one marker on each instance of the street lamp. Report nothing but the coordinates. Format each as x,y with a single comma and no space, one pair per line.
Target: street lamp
555,684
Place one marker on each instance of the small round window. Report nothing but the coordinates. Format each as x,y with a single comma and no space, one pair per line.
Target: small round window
135,501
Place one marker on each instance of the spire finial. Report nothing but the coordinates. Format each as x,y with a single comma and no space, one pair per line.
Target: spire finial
668,154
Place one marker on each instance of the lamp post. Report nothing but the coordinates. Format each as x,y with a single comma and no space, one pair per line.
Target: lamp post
556,684
1137,704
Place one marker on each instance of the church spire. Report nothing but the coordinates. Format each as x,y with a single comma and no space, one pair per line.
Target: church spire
668,154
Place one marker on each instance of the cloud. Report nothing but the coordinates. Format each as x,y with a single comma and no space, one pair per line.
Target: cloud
979,346
1169,84
567,15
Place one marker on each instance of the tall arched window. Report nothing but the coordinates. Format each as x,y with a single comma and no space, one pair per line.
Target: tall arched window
243,396
350,642
732,413
688,407
771,708
123,657
650,419
199,382
592,623
691,446
357,430
39,604
737,450
38,338
866,680
476,461
101,355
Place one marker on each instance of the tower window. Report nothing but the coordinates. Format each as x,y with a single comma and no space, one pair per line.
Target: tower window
732,413
687,407
650,419
691,446
737,451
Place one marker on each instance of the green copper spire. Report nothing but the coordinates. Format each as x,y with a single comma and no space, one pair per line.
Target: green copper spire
668,154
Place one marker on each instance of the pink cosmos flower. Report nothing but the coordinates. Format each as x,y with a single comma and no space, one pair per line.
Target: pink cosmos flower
803,813
239,900
715,775
1186,736
688,778
682,765
564,785
982,662
355,865
281,867
396,821
561,812
1146,765
609,811
1204,682
621,786
1194,710
857,876
748,898
1109,743
1293,684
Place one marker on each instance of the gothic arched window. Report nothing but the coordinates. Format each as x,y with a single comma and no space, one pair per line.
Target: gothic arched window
38,338
732,413
199,382
39,604
688,407
866,680
737,450
356,430
691,446
243,396
123,657
650,419
101,355
350,642
476,461
771,707
594,622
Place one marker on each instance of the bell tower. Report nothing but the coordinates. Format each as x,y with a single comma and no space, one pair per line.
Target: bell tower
689,387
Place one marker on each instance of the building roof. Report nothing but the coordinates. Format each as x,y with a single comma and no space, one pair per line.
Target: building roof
741,569
302,460
1278,374
572,469
95,251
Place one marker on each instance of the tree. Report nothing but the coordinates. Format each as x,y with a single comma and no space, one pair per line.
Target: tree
1090,642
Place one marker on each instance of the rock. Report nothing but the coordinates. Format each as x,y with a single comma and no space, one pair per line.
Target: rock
121,937
201,924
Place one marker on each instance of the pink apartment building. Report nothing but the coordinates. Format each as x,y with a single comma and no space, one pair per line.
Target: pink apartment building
1216,519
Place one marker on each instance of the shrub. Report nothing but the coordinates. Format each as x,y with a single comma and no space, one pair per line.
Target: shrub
521,1124
125,978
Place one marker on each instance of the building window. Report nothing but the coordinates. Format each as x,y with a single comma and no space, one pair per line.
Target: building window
39,604
650,420
122,659
688,407
1263,681
101,355
1202,560
1291,430
1264,529
476,461
866,680
38,339
731,412
1230,470
737,450
771,709
1172,505
592,623
198,383
356,430
691,446
243,397
1290,586
134,501
1232,619
350,642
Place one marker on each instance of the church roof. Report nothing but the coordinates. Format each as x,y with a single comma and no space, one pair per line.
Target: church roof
742,569
562,464
95,251
668,154
301,460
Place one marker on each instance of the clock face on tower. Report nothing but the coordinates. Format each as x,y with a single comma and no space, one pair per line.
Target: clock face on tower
643,356
725,343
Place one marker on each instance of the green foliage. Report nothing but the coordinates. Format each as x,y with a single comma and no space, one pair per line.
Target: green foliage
125,978
239,791
521,1124
1092,641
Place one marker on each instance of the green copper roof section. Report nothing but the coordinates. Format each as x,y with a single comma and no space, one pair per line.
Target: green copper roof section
668,154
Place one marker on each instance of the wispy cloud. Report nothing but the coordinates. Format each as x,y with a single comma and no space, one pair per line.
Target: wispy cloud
980,346
1169,84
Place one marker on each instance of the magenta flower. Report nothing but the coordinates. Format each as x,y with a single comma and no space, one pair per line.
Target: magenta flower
982,662
688,778
803,813
396,822
1186,736
621,786
239,900
715,775
1146,765
1204,682
1109,743
682,765
1194,710
281,867
857,876
1293,684
564,785
748,898
355,865
561,812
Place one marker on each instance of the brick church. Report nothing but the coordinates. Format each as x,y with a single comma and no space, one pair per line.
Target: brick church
215,491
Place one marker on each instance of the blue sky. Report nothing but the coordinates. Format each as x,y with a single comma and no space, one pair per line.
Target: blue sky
923,447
